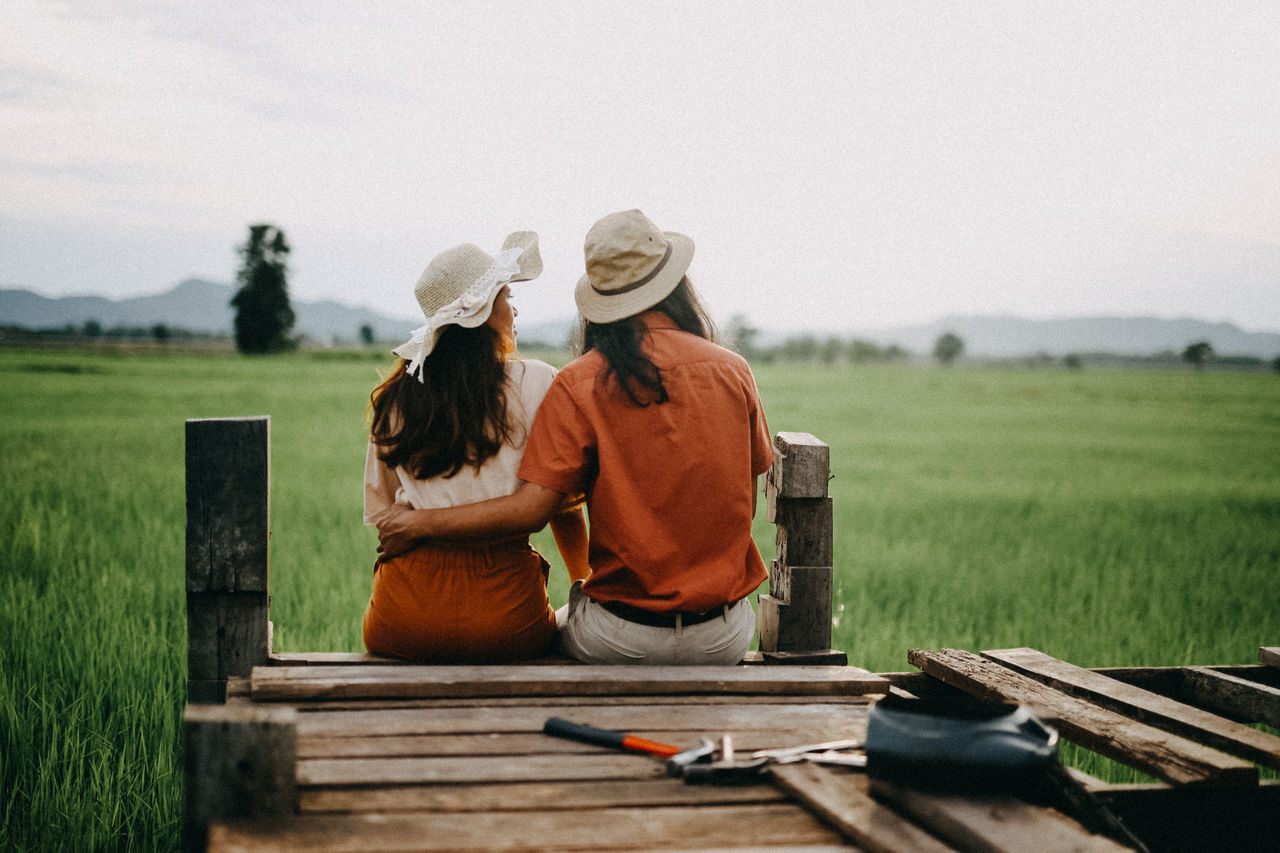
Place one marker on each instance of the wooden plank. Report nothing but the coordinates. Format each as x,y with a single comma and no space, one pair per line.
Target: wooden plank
533,796
805,533
842,801
992,825
1269,656
1163,755
333,659
1139,704
699,700
227,462
839,721
646,828
801,468
273,683
1229,694
239,762
471,769
516,744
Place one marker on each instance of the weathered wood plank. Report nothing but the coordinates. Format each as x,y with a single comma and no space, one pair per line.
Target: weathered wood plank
801,467
993,825
805,532
333,659
227,462
842,801
476,769
273,683
1163,755
1269,656
841,721
532,796
1229,694
239,762
576,701
369,746
767,825
1139,704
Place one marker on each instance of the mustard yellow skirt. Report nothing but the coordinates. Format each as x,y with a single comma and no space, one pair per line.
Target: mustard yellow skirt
452,604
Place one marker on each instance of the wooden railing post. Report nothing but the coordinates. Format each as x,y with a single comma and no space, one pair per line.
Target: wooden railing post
227,530
795,617
240,762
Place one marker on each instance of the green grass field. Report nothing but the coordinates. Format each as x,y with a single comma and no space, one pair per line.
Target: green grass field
1107,517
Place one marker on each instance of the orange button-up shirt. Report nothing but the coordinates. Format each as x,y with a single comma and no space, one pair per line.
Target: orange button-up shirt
669,486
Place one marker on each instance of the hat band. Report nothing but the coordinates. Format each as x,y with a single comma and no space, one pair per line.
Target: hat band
635,285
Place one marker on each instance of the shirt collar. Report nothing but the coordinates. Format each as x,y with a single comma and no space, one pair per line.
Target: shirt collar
658,320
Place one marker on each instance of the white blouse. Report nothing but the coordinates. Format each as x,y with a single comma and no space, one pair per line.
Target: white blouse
527,384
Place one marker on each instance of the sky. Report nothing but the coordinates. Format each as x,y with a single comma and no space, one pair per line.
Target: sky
838,165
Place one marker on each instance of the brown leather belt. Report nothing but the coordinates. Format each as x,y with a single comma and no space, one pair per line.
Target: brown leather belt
666,619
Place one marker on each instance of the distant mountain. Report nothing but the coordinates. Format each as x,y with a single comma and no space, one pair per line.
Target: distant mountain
195,304
204,306
1008,337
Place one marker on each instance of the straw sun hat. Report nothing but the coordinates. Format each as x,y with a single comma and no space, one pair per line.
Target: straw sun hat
631,266
458,288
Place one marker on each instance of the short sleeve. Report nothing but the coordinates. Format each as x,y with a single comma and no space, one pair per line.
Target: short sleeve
380,484
561,452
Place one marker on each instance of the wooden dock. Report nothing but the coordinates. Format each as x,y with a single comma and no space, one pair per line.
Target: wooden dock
353,752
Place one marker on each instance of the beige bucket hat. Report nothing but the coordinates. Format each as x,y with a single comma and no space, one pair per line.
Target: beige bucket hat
631,265
459,285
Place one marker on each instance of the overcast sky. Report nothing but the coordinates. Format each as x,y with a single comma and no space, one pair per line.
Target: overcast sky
839,165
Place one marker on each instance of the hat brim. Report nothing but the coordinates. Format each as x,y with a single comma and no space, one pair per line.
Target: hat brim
602,307
530,262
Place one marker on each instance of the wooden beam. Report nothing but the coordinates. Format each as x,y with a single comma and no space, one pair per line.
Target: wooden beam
679,723
1160,711
1163,755
387,682
1229,694
992,824
783,825
532,796
227,463
240,761
842,802
1269,656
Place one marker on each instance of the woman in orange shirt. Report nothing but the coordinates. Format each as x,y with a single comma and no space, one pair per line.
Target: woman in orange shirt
449,427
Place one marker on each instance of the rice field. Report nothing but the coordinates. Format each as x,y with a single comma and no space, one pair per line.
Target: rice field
1106,517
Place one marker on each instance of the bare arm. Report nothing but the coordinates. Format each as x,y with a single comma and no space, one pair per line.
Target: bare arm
527,509
570,530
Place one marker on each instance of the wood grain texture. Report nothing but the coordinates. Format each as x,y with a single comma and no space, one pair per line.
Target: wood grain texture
227,485
532,796
1136,703
347,682
992,825
842,801
1230,694
1163,755
1269,656
670,721
648,828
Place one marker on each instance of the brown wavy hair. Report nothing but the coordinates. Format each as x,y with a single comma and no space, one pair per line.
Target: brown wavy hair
620,344
456,416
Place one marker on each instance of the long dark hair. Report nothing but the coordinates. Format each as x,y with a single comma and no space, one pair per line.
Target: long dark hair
620,344
456,416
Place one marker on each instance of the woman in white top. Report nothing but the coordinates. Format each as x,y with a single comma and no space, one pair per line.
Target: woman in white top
448,428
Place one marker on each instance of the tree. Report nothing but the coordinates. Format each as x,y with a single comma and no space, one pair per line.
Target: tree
366,334
948,347
1196,354
264,316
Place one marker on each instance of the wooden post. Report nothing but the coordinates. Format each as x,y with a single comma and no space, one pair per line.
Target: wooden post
227,531
795,617
240,762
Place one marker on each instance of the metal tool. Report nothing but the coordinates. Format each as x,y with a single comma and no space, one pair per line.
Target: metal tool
730,770
679,763
557,727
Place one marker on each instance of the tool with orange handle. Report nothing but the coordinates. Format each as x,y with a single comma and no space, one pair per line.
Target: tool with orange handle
557,727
